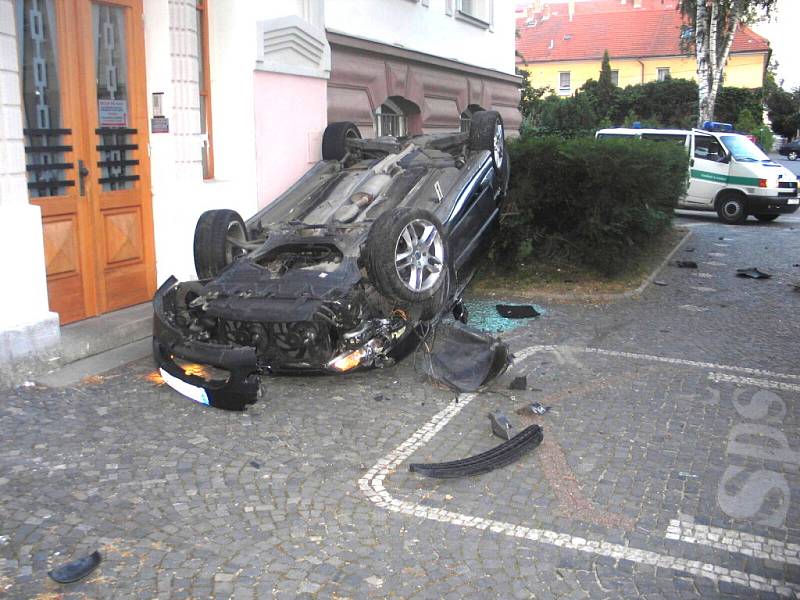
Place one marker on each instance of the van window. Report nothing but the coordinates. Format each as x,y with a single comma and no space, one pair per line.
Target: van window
608,136
708,148
677,138
743,149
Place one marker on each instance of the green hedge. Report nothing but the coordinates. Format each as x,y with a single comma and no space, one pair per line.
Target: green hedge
594,204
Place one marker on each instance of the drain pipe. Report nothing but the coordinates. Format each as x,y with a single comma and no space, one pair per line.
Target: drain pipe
641,63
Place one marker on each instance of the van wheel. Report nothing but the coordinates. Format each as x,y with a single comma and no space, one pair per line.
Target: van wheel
792,155
766,218
731,209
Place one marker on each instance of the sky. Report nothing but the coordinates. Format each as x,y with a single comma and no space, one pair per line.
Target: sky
782,31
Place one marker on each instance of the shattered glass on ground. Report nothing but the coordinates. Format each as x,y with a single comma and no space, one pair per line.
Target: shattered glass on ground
483,315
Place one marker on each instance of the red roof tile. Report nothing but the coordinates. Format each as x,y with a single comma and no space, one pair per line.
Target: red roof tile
625,34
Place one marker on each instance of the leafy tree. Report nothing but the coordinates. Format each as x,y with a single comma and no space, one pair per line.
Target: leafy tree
746,122
568,117
714,25
530,97
784,112
732,100
668,103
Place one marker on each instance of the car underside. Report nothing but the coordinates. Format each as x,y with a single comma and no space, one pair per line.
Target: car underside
349,268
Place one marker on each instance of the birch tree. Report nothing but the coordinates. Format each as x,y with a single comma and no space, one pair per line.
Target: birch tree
714,25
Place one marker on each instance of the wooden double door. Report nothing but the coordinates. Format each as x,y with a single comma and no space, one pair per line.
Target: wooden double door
85,126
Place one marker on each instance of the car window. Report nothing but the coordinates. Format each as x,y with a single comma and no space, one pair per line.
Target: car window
708,148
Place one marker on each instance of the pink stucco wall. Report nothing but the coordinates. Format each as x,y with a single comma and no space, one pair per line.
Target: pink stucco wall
290,116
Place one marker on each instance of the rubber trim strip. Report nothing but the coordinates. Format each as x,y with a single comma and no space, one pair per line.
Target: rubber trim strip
499,456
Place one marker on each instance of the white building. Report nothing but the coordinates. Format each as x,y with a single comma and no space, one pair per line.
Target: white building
122,121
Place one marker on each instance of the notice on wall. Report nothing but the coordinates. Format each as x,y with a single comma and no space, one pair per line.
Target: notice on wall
159,125
113,113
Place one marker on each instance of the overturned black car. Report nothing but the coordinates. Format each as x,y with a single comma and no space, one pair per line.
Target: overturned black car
348,268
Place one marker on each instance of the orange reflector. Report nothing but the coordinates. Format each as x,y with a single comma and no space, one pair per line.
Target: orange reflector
346,362
762,183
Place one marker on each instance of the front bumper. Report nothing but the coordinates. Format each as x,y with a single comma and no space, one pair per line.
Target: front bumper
242,385
772,205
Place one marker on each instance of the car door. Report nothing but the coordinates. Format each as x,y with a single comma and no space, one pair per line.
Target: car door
471,218
708,171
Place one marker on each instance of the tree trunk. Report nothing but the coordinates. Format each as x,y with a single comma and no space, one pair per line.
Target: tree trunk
713,49
703,66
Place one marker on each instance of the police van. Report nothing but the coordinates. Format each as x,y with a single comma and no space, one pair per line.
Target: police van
728,173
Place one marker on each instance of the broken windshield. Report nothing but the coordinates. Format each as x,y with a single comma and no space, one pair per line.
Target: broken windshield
743,149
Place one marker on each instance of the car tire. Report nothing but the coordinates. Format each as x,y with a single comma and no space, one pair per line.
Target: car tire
400,262
334,139
766,218
213,250
731,209
486,132
792,155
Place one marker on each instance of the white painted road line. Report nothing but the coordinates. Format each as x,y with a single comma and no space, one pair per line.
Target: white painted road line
372,485
762,383
523,354
734,541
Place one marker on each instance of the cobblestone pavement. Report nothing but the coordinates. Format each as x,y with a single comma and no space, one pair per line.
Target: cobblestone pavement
670,466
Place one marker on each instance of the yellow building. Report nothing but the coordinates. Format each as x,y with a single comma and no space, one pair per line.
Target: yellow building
562,48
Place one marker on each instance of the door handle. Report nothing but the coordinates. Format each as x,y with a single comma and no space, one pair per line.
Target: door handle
82,174
691,162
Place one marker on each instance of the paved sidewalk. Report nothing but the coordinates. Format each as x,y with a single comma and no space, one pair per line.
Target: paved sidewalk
670,466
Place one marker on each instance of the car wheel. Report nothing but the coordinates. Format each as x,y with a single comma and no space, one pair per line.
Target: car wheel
792,155
215,241
407,255
486,132
766,218
731,209
334,139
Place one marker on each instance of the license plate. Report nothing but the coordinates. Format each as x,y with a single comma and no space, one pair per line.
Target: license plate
193,392
793,201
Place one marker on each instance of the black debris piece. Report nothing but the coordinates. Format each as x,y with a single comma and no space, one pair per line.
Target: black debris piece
499,456
501,426
661,283
752,273
686,264
688,249
796,265
460,312
517,311
519,383
796,286
77,569
255,464
465,359
379,398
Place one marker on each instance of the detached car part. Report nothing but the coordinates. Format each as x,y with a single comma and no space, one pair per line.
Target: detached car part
499,456
465,359
501,426
76,569
343,271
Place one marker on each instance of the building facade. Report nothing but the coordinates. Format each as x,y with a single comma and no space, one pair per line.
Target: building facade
561,45
122,121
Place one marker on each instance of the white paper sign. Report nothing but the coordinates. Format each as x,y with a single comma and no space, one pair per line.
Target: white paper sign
113,113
